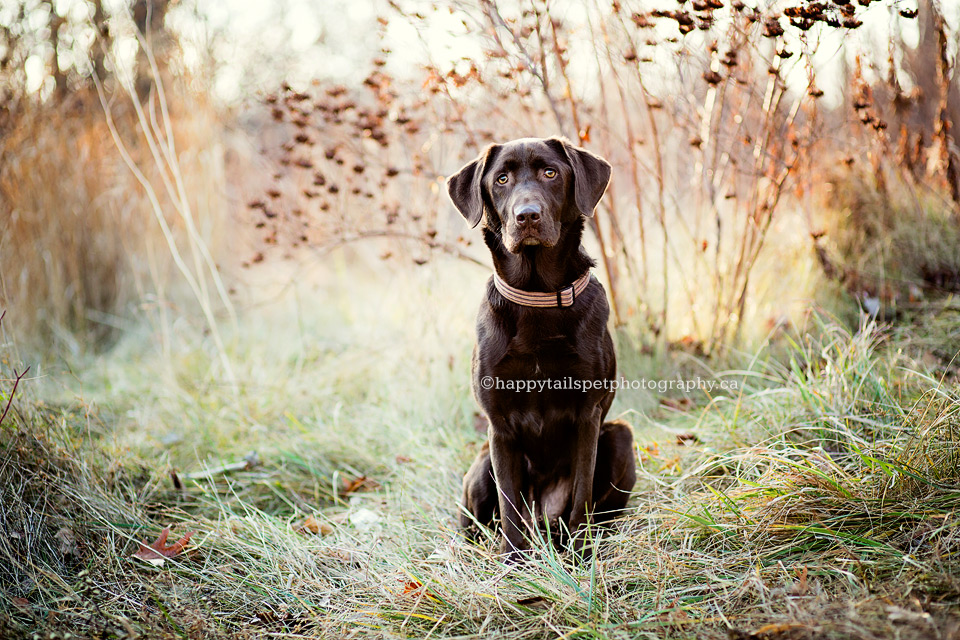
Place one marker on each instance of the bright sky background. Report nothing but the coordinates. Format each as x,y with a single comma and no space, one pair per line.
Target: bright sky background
258,44
306,39
336,38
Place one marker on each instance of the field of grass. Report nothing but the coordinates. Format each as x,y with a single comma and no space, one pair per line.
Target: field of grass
820,500
235,339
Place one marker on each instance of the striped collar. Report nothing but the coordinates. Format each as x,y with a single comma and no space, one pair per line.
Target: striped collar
563,298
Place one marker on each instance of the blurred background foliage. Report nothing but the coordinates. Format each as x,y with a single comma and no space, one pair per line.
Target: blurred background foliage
768,156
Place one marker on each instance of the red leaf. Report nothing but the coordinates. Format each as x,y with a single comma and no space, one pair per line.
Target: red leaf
159,549
415,587
314,526
411,586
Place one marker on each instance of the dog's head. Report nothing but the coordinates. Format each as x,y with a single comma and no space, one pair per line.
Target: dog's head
529,189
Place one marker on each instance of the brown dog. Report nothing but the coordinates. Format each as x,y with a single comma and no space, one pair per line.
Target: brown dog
544,359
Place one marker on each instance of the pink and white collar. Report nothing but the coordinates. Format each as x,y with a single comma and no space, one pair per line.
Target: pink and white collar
563,298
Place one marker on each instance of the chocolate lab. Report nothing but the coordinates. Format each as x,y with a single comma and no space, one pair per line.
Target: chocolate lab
544,359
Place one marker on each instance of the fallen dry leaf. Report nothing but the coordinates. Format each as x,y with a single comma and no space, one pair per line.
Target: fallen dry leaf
360,483
687,439
313,526
411,586
800,587
415,587
776,629
158,552
537,602
680,404
67,541
649,451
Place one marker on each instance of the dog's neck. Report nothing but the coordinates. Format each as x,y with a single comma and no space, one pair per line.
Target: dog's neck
539,268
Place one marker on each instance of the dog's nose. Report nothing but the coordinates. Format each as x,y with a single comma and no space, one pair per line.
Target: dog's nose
526,213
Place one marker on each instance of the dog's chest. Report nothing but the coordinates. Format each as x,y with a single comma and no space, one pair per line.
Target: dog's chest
547,356
541,349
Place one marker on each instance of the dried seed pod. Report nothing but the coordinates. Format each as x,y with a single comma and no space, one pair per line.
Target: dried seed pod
713,77
772,28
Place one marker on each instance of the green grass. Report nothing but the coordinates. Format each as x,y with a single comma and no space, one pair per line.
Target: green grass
821,500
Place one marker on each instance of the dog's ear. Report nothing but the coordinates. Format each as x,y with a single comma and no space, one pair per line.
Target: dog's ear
591,175
466,186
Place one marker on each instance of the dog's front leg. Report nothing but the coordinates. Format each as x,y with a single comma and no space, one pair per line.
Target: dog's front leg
585,462
508,473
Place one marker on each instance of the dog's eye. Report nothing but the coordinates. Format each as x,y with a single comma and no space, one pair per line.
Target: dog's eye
550,173
502,178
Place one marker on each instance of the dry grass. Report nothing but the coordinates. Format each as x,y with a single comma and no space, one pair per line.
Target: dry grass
820,502
81,253
890,238
711,114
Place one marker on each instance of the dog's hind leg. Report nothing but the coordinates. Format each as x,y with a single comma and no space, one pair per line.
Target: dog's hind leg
616,470
480,502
